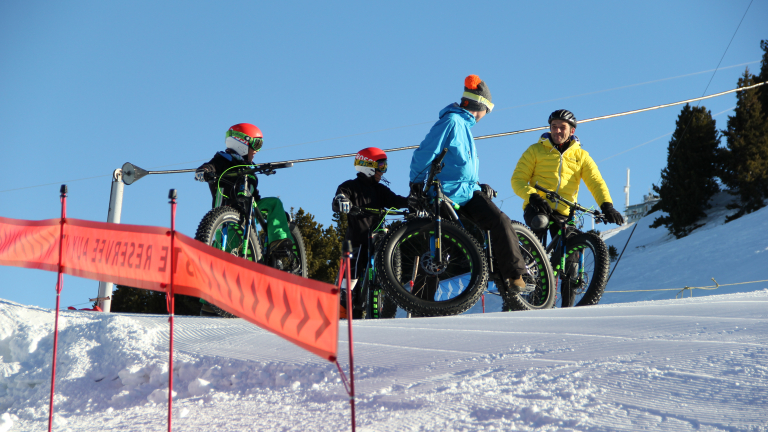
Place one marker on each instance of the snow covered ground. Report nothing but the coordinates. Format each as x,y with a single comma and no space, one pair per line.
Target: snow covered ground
687,364
692,364
730,253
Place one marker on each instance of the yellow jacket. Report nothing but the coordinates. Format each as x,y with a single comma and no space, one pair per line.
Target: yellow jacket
561,173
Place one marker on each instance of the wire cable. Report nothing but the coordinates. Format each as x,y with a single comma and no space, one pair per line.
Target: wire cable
544,127
477,138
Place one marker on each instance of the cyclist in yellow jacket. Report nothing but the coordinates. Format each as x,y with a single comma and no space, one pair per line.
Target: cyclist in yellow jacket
557,162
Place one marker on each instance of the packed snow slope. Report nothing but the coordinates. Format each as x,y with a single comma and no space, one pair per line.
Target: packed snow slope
673,365
730,253
685,364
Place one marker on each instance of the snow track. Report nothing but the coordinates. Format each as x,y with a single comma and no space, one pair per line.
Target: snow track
679,365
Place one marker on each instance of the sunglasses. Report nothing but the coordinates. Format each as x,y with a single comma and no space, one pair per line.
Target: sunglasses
253,143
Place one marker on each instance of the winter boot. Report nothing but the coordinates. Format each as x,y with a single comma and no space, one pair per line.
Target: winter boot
518,285
281,247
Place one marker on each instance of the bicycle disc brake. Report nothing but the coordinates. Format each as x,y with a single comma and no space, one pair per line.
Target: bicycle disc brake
431,267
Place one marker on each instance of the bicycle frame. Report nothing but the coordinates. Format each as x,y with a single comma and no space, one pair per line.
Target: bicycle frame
560,241
440,201
252,208
373,249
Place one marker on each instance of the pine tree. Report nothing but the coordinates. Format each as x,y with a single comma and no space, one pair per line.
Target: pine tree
688,181
745,160
321,246
763,77
128,299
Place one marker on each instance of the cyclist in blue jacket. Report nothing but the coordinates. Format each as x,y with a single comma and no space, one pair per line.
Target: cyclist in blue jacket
460,176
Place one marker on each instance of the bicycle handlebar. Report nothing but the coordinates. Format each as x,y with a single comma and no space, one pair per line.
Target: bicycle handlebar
555,197
266,169
437,166
355,210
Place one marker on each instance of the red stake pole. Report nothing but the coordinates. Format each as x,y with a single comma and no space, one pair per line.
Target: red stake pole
345,272
59,287
171,306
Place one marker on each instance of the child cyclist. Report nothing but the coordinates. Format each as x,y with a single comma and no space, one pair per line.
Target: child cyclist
243,140
364,191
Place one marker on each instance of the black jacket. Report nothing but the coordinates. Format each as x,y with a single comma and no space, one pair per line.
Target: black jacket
220,162
364,191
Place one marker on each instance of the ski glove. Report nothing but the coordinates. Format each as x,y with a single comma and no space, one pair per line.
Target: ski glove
417,190
539,204
611,214
488,190
201,174
415,196
343,202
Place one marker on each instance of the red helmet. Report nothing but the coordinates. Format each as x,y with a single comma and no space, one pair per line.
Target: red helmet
243,136
371,159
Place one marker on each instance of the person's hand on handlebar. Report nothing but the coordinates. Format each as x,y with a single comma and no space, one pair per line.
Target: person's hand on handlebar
488,190
417,190
415,196
539,204
343,202
203,173
611,214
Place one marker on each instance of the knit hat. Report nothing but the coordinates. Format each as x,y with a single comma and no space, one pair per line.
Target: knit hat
476,95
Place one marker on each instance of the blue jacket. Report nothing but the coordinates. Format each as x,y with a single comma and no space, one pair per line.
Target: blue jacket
460,175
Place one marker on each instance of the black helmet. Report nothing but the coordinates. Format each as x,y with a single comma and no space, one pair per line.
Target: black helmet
564,115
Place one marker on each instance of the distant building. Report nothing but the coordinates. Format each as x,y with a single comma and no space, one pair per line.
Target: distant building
636,211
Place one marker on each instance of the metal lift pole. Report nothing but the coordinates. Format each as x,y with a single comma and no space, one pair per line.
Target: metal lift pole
115,210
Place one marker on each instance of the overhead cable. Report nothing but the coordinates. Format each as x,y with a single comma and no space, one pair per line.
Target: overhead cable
477,138
543,127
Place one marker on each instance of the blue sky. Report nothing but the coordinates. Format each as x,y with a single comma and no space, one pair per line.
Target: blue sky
88,86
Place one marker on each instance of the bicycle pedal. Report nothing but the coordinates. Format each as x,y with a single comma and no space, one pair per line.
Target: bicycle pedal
280,254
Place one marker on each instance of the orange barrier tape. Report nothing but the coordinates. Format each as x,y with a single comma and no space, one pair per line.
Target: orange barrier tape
29,244
302,311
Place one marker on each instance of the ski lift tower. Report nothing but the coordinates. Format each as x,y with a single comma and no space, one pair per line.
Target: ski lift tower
126,175
626,195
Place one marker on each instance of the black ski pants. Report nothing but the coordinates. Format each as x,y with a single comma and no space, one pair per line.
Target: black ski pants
538,222
358,263
483,212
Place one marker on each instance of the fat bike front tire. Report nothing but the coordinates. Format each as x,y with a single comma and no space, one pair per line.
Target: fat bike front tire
588,287
223,228
412,277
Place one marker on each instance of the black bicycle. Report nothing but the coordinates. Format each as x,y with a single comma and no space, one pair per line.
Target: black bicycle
579,259
231,225
371,297
433,266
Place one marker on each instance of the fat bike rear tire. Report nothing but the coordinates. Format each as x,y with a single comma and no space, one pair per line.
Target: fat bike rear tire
294,262
539,275
382,304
